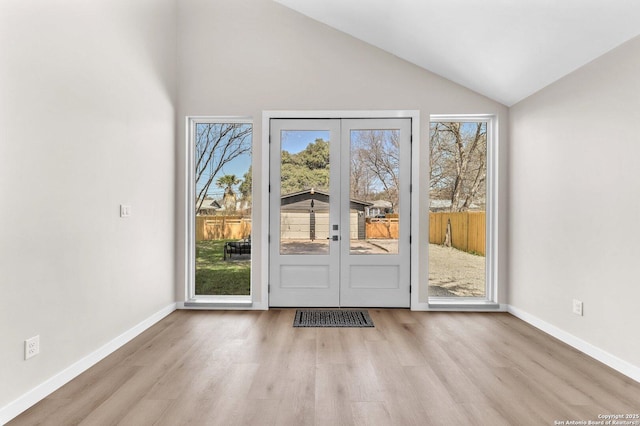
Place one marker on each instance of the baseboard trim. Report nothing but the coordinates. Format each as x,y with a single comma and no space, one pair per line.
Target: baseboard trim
50,385
604,357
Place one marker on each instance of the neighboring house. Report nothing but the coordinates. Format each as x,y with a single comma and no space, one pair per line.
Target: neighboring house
209,207
379,208
212,207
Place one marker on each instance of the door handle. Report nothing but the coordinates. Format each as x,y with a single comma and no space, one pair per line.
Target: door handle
335,238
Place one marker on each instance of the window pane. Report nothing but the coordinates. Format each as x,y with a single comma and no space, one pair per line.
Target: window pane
457,216
304,192
374,181
223,208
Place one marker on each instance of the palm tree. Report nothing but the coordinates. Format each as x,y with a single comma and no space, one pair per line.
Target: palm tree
229,199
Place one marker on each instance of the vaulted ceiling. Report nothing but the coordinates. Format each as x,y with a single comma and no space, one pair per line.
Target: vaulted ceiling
503,49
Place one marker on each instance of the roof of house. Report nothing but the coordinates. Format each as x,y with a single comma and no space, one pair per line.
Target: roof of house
301,200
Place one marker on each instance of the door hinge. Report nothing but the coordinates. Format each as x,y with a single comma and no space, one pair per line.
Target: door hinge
268,288
410,188
269,238
409,289
269,188
409,239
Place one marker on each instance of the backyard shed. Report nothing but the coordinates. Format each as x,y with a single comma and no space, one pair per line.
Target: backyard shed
304,215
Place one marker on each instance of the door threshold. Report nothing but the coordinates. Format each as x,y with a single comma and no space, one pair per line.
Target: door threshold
219,302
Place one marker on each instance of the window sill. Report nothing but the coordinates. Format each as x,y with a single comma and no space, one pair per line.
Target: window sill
445,303
219,302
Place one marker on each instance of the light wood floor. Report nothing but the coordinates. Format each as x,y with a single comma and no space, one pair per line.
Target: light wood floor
413,368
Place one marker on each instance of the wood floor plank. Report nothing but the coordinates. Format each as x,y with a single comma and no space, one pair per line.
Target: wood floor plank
188,412
296,411
261,412
329,347
49,411
401,401
146,412
300,374
413,368
485,414
403,342
370,414
436,401
75,409
332,404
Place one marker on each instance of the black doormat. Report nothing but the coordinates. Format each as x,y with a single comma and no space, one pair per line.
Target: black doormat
332,318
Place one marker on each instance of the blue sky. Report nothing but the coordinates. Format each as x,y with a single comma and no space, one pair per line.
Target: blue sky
238,166
295,141
292,141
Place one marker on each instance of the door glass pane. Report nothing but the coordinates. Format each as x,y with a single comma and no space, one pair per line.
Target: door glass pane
304,192
223,208
457,217
374,197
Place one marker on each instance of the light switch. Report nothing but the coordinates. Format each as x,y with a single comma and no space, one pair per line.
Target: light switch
125,210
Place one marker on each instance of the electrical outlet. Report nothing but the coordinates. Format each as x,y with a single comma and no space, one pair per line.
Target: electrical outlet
31,347
577,307
125,210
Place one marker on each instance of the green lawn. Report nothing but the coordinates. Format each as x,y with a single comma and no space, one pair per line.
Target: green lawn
216,276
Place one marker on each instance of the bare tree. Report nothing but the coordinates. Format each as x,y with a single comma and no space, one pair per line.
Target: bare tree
361,177
377,157
458,155
216,145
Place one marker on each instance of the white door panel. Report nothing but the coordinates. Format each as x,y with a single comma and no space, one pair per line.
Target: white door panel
379,276
304,265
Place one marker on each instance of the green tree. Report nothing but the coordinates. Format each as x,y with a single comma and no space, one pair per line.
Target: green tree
245,185
316,155
306,169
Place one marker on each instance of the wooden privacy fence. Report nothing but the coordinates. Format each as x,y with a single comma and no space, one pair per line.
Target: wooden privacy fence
467,230
222,227
381,228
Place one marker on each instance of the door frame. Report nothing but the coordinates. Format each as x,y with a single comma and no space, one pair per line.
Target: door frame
417,256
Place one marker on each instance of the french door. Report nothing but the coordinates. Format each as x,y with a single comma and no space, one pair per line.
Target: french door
340,212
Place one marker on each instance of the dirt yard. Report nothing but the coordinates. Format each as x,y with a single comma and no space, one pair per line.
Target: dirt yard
454,273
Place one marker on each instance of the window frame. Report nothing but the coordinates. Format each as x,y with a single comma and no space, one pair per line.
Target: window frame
490,300
191,299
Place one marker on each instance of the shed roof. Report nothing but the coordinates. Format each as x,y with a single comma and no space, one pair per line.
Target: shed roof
301,200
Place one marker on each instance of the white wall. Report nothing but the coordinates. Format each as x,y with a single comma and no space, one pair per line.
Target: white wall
87,121
245,56
574,203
